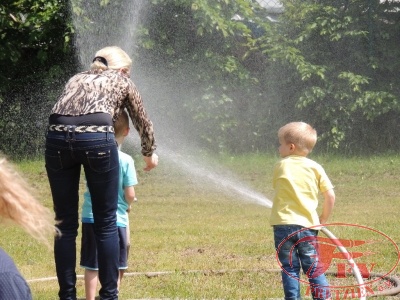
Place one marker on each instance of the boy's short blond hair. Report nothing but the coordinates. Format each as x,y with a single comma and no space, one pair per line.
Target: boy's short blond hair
121,123
301,134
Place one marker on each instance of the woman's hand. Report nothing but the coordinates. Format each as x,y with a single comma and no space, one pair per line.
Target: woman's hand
151,162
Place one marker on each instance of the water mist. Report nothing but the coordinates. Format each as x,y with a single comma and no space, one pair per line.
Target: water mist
117,26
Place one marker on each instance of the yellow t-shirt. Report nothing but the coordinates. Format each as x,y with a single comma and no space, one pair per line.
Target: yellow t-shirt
297,182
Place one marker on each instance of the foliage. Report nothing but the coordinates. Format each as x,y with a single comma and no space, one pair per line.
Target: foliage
337,52
324,62
238,75
36,26
35,40
205,49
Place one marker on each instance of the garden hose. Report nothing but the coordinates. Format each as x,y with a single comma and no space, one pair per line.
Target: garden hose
353,265
386,292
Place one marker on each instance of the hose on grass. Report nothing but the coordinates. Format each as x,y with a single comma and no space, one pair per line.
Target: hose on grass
353,265
386,292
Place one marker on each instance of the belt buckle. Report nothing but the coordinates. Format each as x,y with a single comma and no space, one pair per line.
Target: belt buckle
70,128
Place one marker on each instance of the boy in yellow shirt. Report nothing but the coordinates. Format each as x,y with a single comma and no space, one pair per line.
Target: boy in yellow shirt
297,182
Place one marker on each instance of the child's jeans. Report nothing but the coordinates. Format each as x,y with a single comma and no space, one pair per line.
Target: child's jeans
297,248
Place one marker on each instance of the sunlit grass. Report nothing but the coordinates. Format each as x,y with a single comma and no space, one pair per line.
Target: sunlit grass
214,244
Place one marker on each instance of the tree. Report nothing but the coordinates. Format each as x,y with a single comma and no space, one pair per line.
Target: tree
323,62
340,50
233,72
35,42
213,79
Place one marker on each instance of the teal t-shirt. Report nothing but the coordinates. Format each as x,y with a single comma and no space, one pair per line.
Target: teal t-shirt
127,177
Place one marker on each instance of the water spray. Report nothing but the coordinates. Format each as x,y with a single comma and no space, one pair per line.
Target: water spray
202,171
90,44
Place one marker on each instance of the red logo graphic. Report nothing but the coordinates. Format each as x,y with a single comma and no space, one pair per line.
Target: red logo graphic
368,251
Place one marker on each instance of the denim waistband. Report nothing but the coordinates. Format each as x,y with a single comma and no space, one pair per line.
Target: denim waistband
86,136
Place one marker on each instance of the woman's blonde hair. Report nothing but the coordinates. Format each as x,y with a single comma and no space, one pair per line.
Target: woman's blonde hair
301,134
115,59
18,205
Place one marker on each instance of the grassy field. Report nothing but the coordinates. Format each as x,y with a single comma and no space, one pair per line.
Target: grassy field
192,239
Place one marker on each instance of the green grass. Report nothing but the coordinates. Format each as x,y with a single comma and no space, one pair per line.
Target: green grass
215,244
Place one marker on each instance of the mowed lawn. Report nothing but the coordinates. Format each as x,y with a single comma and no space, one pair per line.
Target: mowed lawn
192,237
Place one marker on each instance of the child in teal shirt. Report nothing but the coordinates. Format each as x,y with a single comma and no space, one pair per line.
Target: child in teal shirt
126,195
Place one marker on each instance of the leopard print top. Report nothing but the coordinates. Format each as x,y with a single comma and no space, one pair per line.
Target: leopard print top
106,92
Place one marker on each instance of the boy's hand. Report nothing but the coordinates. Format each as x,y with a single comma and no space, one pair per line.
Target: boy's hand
151,162
322,220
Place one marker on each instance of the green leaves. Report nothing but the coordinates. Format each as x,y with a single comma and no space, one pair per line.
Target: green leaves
374,104
355,81
332,63
28,24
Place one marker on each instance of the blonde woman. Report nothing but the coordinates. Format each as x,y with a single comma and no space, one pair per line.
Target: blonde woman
81,133
18,205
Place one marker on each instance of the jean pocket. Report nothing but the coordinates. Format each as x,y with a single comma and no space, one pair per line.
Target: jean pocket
53,159
281,236
99,160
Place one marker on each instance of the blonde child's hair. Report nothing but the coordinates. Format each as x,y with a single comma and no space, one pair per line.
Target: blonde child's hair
115,57
121,123
18,205
301,134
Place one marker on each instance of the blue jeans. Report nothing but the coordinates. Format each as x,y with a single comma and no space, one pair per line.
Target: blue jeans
297,248
65,153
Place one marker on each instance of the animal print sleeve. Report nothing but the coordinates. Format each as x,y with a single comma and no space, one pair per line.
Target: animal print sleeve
140,120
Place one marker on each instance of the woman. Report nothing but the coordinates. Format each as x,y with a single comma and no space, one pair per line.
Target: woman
81,133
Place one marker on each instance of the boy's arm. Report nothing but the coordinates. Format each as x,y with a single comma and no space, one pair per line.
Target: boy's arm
327,207
129,193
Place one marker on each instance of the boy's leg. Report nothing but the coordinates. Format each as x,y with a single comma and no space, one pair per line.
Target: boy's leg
310,262
89,260
128,238
91,278
121,274
123,252
289,261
